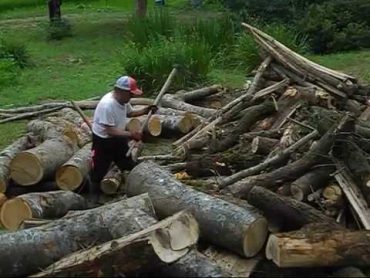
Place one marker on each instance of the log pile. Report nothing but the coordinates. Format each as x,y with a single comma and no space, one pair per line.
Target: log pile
275,174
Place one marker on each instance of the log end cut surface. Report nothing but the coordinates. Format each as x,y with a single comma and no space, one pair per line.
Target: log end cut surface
26,169
296,192
155,126
68,178
13,212
134,125
109,186
255,237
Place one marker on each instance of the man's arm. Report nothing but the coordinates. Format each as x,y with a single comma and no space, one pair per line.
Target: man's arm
143,111
117,132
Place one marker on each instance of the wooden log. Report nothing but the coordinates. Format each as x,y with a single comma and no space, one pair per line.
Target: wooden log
32,223
263,145
315,196
333,196
111,181
177,124
173,102
31,166
199,93
164,242
193,264
133,125
51,204
319,247
71,174
6,157
284,212
310,182
154,126
14,190
365,115
243,231
232,263
29,115
273,134
46,244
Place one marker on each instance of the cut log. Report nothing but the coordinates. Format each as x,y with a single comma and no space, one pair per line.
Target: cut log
31,166
173,102
177,124
232,263
154,126
365,116
71,174
44,245
263,145
164,242
333,196
242,231
199,93
6,157
112,181
193,264
284,212
310,182
319,246
133,125
52,204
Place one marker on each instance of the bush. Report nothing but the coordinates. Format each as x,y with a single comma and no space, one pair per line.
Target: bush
152,64
59,29
8,71
338,25
15,51
245,53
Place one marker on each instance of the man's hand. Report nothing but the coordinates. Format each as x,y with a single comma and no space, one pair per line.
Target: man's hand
136,135
153,108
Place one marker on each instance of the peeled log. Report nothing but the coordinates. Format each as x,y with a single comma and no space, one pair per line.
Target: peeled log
310,182
286,213
318,247
52,204
46,244
163,242
263,145
5,158
112,181
221,223
31,166
72,173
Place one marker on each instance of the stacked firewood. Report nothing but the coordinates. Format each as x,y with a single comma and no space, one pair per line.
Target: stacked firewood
274,174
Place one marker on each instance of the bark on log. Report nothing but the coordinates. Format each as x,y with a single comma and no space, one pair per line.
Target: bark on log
263,145
284,212
14,190
44,245
310,182
199,93
164,242
112,181
172,102
177,124
71,174
31,166
242,231
333,196
193,264
318,247
6,157
273,134
52,204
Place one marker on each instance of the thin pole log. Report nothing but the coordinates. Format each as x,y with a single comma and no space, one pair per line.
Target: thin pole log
30,114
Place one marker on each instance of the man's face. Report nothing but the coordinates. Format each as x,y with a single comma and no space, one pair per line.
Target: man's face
123,96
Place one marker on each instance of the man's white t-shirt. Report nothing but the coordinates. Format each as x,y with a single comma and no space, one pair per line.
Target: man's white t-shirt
109,112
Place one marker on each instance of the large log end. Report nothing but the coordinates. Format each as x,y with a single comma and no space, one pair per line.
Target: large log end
29,161
255,237
68,178
13,212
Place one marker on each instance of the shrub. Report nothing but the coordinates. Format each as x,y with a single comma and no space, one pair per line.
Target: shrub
15,51
8,71
152,64
59,29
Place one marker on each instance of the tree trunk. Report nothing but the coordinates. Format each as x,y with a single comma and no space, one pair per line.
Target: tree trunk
51,204
6,157
31,166
112,181
127,255
46,244
173,102
284,212
242,231
319,247
72,173
141,8
310,182
263,145
193,264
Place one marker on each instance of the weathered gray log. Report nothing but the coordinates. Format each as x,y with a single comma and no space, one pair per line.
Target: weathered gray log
263,145
71,174
311,182
319,246
164,242
31,166
177,124
199,93
220,222
25,252
51,204
173,102
284,212
6,157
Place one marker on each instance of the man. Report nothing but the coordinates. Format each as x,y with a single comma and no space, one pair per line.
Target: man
110,139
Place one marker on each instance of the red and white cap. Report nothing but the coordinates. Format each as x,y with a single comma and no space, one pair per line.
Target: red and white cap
129,84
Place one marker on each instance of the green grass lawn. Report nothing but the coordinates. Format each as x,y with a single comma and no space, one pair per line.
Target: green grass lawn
88,63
